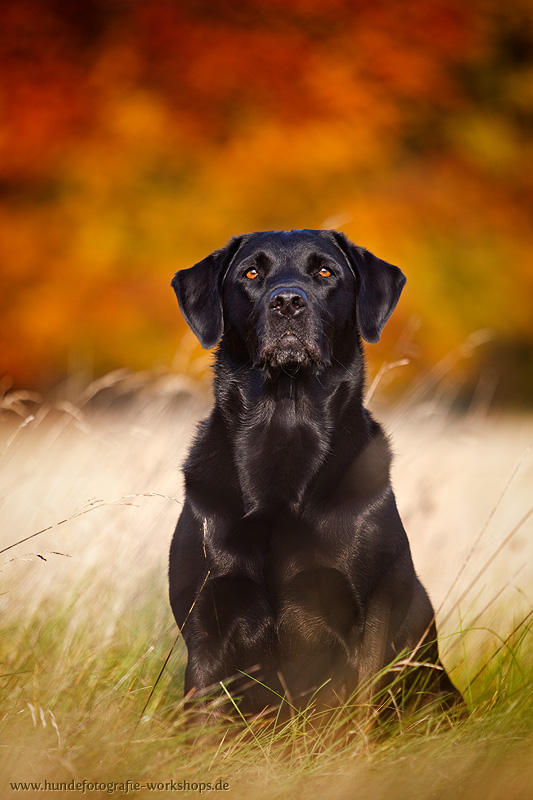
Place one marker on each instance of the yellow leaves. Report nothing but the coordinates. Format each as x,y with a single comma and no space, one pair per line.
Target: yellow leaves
489,140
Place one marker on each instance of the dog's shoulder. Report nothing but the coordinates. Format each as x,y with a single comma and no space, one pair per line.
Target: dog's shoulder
365,481
374,462
210,475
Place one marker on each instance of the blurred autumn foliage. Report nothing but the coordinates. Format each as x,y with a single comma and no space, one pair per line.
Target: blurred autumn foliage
138,135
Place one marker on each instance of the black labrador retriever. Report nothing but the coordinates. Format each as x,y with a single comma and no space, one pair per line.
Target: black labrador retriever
291,576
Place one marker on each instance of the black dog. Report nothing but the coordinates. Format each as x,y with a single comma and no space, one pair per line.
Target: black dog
290,570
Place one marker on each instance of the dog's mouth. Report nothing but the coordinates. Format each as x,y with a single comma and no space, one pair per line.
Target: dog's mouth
289,351
289,339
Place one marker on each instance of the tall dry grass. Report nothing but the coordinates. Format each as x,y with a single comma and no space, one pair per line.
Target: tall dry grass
90,490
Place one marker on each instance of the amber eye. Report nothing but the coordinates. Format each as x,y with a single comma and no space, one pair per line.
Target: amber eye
252,273
325,273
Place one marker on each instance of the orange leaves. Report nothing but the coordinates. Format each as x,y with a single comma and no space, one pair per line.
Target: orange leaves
136,137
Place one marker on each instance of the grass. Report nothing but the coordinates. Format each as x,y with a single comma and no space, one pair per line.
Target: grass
91,489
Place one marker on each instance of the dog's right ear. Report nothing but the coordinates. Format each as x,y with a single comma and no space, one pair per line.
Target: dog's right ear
199,293
379,285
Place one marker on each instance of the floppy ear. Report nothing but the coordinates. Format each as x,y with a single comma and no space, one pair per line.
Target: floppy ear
379,286
199,293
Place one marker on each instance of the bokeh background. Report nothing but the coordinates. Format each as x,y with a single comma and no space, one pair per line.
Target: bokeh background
135,137
138,135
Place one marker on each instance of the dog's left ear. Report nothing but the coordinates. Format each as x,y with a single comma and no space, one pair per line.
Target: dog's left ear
379,286
199,293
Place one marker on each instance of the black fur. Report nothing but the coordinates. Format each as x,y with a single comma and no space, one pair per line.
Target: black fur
289,561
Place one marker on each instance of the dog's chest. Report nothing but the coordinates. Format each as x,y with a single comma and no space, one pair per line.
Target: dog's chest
277,454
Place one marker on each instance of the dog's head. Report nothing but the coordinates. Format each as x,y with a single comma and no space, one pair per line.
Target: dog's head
288,299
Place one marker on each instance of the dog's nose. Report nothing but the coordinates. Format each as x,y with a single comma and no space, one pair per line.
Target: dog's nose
287,301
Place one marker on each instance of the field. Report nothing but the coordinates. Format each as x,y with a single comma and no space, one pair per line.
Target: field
91,670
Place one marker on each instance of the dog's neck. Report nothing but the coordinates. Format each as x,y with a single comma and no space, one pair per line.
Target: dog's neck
245,393
290,432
